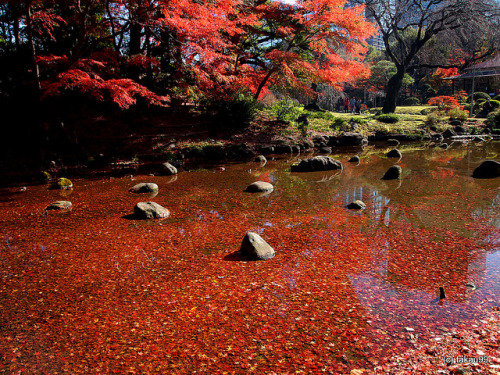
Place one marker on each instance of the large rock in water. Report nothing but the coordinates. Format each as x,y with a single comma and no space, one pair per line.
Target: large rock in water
394,153
254,247
150,210
259,187
317,163
487,169
261,159
145,187
62,183
356,205
393,173
168,169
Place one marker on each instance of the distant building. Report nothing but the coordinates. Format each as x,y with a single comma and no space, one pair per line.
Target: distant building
376,41
484,76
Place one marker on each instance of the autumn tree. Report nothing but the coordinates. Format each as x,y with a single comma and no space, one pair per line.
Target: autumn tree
407,26
300,45
121,49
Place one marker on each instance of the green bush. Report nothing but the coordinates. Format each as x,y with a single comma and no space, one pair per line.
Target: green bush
286,110
388,118
478,95
457,114
326,115
339,123
497,98
234,114
493,120
411,101
434,118
358,120
495,104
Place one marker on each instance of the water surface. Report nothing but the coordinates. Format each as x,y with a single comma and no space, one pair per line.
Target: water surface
93,290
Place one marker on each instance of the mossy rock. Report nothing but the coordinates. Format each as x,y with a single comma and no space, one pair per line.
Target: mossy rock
63,184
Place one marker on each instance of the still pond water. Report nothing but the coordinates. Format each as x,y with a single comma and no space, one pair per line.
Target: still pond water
94,291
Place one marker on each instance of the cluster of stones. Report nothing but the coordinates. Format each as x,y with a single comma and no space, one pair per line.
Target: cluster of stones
253,246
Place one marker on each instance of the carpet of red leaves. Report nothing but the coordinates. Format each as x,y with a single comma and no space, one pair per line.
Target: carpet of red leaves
95,291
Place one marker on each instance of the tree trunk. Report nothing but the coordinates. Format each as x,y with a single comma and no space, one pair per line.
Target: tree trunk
262,84
17,40
135,28
392,90
135,39
36,71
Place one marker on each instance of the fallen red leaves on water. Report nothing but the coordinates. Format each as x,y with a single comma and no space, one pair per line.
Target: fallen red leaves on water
93,290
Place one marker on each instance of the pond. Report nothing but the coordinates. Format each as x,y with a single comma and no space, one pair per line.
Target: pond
95,291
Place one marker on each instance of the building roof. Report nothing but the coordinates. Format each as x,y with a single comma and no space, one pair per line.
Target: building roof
491,64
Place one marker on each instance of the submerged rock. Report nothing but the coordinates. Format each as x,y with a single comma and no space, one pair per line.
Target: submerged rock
150,210
356,205
60,205
62,183
393,173
254,247
354,159
317,163
168,169
394,153
487,169
144,187
259,187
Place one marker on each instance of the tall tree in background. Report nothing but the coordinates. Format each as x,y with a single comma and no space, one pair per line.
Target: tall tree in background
308,42
407,26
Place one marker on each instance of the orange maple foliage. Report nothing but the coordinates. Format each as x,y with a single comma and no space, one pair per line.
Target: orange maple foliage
215,47
445,102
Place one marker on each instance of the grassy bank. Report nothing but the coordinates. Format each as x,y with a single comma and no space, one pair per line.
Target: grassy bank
410,121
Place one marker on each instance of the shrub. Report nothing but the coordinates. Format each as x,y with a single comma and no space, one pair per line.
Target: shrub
411,101
388,118
445,102
495,104
286,110
457,114
303,124
478,95
493,120
236,113
339,123
461,96
321,115
434,118
358,120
